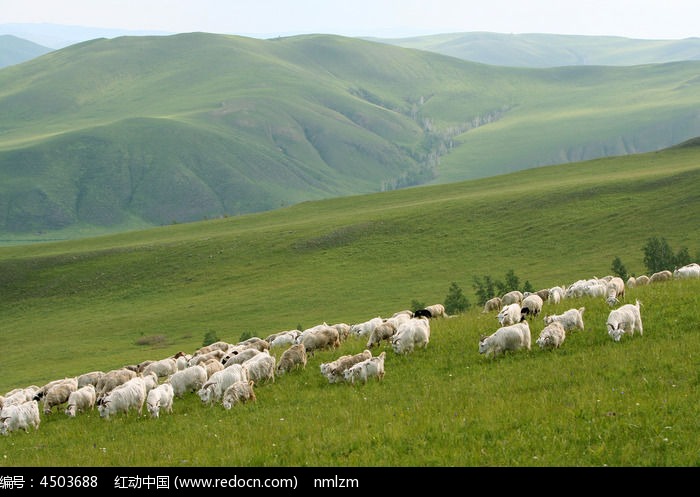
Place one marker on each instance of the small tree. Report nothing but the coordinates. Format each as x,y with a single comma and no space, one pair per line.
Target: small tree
209,338
484,288
658,255
682,257
455,301
619,269
417,304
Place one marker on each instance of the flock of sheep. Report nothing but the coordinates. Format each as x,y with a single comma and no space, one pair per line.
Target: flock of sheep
514,308
228,374
219,373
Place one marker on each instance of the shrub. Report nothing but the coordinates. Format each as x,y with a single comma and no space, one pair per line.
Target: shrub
455,301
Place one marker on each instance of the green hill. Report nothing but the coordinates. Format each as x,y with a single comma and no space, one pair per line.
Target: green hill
113,135
14,50
551,50
104,302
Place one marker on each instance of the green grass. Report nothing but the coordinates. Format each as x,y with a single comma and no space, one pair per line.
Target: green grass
103,302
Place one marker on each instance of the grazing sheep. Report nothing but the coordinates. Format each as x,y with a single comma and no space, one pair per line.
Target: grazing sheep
531,306
641,280
334,370
220,345
292,358
217,354
437,311
343,330
239,392
162,368
691,270
124,398
507,338
160,398
660,276
320,338
212,366
365,328
513,297
82,400
188,380
22,416
239,356
58,394
283,338
369,368
571,319
261,368
215,386
614,291
383,332
625,319
552,336
556,294
493,304
90,378
510,314
112,379
414,333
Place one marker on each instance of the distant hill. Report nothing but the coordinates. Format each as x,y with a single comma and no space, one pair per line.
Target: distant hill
61,35
138,131
551,50
15,50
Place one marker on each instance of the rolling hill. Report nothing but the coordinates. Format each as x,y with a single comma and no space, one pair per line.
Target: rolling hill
14,50
126,133
552,50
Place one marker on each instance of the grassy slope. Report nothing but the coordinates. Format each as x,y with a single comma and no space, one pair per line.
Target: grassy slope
119,134
551,50
88,304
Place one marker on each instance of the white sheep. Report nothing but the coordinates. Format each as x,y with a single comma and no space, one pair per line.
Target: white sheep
239,392
512,297
112,379
659,276
556,294
333,370
414,333
188,380
261,368
625,319
160,398
369,368
510,314
82,400
90,378
162,368
572,319
383,332
507,338
365,328
552,336
22,416
614,290
58,394
214,388
292,358
493,304
691,270
239,356
124,398
320,337
531,305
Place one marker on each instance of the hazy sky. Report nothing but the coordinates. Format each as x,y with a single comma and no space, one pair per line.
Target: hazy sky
648,19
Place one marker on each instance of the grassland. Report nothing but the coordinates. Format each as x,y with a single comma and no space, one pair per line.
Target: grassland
102,302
